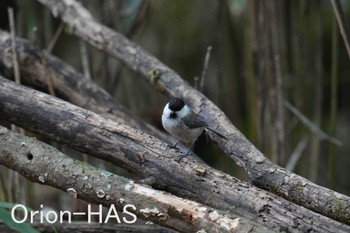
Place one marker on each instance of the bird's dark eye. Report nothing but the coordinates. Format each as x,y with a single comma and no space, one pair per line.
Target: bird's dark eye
172,115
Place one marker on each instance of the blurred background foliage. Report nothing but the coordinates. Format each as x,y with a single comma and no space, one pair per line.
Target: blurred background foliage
267,58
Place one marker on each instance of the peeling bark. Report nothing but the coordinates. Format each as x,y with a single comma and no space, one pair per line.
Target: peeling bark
44,164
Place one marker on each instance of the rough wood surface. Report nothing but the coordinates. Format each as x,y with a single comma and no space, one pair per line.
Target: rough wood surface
44,164
68,84
150,158
262,172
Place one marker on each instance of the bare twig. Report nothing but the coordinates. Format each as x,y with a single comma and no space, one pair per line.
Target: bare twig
48,77
55,37
205,69
15,184
342,24
85,63
312,126
276,89
14,51
298,151
333,104
85,60
196,82
314,156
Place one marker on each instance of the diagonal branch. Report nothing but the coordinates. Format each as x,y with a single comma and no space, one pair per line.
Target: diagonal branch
312,126
261,171
342,24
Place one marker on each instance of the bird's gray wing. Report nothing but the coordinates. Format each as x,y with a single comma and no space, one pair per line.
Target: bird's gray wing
217,132
194,121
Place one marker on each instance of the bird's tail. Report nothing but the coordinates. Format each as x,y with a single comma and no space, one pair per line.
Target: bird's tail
216,132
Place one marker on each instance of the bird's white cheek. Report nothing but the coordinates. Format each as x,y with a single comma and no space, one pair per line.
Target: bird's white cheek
184,112
168,123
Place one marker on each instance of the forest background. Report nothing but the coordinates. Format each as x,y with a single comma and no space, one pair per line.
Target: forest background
281,74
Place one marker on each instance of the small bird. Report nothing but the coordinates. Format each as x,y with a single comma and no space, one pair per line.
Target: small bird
183,124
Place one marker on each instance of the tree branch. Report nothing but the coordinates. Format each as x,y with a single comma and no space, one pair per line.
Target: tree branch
261,171
311,125
44,164
68,83
341,23
14,46
149,157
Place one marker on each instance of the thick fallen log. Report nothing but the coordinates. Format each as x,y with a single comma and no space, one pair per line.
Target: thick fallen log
151,159
45,165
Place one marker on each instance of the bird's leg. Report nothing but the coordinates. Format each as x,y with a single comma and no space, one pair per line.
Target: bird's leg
174,146
184,155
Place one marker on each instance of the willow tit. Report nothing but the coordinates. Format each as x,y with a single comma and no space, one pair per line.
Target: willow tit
183,124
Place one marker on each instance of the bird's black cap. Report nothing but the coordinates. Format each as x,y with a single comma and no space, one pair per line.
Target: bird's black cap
176,104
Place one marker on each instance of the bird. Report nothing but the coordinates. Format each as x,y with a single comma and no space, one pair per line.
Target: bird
184,124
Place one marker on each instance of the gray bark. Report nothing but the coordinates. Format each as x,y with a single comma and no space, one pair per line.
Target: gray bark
44,164
151,159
